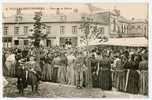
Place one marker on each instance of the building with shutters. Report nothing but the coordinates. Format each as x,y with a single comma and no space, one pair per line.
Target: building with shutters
66,27
60,28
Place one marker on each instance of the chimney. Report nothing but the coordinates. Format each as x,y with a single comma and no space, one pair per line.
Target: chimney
58,11
132,18
75,10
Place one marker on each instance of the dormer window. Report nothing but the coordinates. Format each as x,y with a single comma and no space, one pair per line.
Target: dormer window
83,18
16,30
63,18
58,11
18,15
139,26
48,30
74,29
5,30
62,29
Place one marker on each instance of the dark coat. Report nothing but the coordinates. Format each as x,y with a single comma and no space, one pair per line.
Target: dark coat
104,75
133,78
21,78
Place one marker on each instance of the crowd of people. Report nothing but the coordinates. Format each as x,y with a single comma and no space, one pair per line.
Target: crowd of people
123,68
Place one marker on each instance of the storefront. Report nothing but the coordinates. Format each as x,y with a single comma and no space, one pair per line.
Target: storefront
68,40
7,42
20,42
51,41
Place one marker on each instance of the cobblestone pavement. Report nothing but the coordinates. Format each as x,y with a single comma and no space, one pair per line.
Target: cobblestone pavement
53,90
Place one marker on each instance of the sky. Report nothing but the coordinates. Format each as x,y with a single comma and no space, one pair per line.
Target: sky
128,10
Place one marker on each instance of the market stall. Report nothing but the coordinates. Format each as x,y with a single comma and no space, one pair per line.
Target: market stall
129,42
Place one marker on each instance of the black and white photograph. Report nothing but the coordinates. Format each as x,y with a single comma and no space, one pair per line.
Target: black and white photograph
75,50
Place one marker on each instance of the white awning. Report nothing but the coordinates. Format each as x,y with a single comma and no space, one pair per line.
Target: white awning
132,42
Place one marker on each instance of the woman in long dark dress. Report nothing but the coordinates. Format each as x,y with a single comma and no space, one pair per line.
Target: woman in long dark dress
56,65
87,72
104,74
132,77
143,67
47,70
4,67
93,71
62,69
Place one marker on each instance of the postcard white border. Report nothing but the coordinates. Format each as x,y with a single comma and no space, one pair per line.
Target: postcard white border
82,1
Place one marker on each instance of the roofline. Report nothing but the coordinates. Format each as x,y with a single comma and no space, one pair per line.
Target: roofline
124,21
138,22
109,12
53,22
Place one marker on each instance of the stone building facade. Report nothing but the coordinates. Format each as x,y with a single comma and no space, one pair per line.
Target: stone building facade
66,27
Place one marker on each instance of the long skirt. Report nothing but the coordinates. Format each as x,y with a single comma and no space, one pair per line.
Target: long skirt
32,78
88,77
62,74
44,70
11,68
132,82
47,72
5,70
94,80
55,73
119,79
105,79
8,67
122,80
144,82
70,75
115,80
79,78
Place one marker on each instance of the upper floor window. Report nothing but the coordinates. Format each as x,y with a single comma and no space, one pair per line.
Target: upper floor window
16,42
125,29
18,18
62,29
83,18
25,29
118,29
122,28
63,18
114,25
133,26
145,28
74,29
138,26
48,29
16,30
25,42
5,30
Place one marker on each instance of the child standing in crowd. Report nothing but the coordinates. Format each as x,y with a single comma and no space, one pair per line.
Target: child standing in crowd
128,73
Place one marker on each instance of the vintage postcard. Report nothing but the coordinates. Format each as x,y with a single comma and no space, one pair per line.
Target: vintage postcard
76,50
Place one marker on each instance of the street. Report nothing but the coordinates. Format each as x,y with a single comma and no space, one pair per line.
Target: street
53,90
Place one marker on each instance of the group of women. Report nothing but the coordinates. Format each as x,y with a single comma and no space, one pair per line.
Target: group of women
125,69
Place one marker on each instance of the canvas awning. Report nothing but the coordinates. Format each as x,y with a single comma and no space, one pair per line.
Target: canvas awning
131,42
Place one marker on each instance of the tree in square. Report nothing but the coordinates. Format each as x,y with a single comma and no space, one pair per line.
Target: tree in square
38,30
91,31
